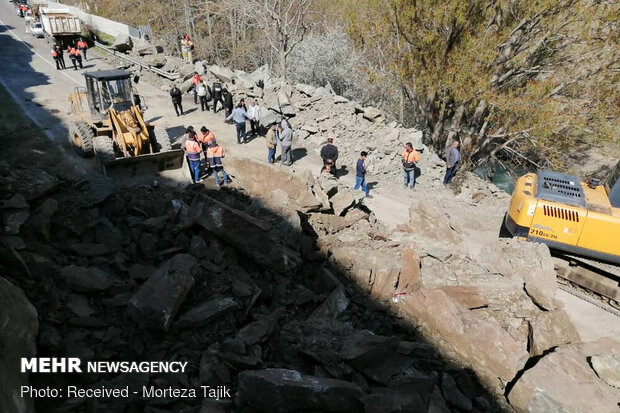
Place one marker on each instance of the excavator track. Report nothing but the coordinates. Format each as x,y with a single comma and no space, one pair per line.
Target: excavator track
593,281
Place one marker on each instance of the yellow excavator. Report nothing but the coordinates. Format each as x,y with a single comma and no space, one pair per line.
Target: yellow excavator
568,215
109,124
579,221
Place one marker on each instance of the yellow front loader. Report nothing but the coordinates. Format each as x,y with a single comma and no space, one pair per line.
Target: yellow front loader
109,125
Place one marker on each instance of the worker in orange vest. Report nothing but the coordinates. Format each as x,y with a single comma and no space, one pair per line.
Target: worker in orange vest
56,58
82,46
78,56
196,80
205,138
215,154
71,53
193,150
409,158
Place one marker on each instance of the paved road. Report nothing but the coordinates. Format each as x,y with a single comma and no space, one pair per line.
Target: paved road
29,74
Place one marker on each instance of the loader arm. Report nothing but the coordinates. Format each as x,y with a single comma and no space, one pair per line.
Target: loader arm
130,132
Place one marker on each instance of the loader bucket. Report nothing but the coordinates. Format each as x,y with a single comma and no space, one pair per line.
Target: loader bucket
149,164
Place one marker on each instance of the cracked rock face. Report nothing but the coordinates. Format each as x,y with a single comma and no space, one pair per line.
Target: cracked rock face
566,380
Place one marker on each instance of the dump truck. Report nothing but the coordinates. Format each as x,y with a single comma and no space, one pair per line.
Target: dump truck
108,125
60,26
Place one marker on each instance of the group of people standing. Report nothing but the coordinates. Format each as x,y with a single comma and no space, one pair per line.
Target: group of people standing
281,134
203,94
206,144
76,53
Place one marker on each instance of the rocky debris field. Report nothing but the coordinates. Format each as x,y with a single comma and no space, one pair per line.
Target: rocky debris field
314,113
240,291
286,287
289,291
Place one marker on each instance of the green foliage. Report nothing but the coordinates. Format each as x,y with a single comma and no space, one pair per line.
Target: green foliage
451,51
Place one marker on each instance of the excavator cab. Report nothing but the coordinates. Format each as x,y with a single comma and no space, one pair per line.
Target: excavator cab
109,125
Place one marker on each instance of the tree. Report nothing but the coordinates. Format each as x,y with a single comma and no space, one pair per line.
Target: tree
284,21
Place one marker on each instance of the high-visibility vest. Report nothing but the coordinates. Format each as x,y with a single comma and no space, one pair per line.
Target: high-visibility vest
82,44
54,53
193,150
206,139
215,155
77,53
412,156
196,79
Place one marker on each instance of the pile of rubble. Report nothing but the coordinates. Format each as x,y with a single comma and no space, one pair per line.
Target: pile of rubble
241,291
314,112
289,291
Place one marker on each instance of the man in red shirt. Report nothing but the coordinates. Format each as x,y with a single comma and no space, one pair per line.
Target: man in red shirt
82,46
196,81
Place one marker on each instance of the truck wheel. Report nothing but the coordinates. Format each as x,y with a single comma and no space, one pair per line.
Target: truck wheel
81,136
160,140
104,149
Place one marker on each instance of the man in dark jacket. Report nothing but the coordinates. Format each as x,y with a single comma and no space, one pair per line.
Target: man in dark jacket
453,156
61,56
360,174
228,103
329,154
177,99
216,92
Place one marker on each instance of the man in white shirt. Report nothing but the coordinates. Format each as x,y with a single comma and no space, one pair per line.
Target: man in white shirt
201,91
254,113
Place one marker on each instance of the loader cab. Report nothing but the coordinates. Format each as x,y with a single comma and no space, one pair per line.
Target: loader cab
108,89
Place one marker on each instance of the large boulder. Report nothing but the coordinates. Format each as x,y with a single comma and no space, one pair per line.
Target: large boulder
484,345
147,49
565,381
260,75
550,329
283,391
200,67
155,60
372,114
18,337
122,43
529,261
222,73
277,188
86,279
385,273
186,71
157,301
249,235
607,367
269,117
244,80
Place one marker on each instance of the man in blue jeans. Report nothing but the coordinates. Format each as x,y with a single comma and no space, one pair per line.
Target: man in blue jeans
410,157
239,115
193,150
453,156
360,174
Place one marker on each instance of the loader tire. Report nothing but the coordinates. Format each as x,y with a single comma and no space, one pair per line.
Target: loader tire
81,137
104,150
160,140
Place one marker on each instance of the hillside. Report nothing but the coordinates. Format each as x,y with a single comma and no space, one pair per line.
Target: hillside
521,83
